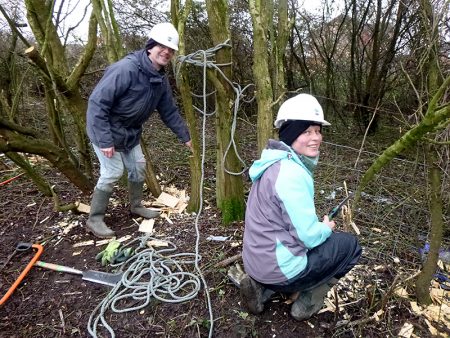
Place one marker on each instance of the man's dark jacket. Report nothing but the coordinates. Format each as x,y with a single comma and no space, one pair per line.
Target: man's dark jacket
128,93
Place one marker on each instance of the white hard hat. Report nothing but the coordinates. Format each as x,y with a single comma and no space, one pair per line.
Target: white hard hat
165,34
301,107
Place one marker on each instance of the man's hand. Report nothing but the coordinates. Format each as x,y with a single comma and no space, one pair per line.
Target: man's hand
327,221
108,152
189,145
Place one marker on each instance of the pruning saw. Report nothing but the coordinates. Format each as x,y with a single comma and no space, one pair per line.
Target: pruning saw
337,208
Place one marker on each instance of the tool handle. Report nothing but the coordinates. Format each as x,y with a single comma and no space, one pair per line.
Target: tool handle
333,212
38,253
57,267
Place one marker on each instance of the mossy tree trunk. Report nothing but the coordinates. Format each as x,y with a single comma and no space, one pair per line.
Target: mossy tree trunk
103,11
52,63
269,47
432,119
437,227
229,188
263,83
433,80
282,36
15,138
62,99
179,18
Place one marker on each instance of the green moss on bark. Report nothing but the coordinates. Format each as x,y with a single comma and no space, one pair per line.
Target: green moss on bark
232,210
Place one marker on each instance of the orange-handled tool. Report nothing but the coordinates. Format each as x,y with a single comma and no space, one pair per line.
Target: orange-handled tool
23,247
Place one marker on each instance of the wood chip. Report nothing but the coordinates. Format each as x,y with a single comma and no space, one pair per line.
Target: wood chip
180,207
147,226
406,330
377,315
166,218
84,208
85,243
431,328
401,292
167,199
355,228
106,241
157,243
292,298
70,227
416,309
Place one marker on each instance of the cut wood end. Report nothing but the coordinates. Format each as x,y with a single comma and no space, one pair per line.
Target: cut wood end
167,200
84,208
147,226
157,243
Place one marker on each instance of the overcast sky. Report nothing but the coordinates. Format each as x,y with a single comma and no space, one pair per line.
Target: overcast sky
75,10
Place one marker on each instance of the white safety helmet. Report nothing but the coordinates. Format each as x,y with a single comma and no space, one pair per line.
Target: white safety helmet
301,107
165,34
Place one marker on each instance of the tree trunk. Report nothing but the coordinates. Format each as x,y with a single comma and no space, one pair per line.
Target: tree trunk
110,32
264,91
282,36
150,176
53,65
437,228
433,80
229,188
15,138
40,182
179,17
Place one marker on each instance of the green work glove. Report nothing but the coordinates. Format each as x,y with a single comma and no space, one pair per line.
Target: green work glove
108,255
123,255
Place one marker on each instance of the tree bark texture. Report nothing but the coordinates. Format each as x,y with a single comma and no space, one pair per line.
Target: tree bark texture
229,188
150,176
433,80
437,228
264,89
179,18
14,138
110,32
50,60
431,120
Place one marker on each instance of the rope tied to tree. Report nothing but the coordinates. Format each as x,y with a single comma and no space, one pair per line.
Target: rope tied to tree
206,60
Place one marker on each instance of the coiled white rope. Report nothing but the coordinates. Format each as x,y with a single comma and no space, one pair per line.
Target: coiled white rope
148,274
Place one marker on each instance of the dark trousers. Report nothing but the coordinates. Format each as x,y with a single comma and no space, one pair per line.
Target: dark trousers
333,258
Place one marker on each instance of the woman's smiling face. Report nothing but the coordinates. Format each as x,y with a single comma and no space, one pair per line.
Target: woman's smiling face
308,142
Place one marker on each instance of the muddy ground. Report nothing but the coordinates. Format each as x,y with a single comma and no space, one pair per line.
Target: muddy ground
54,304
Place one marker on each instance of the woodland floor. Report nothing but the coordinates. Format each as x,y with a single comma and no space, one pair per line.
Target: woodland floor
53,304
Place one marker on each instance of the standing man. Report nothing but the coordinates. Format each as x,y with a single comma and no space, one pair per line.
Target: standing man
128,93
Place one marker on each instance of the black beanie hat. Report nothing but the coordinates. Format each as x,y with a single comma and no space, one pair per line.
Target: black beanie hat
291,129
150,44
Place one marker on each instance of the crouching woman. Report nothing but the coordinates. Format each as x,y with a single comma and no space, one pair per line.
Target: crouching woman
286,248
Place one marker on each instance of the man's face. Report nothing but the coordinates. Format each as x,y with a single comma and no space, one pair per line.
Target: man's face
160,56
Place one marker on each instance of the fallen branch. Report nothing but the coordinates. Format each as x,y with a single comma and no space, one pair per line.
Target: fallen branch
228,261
